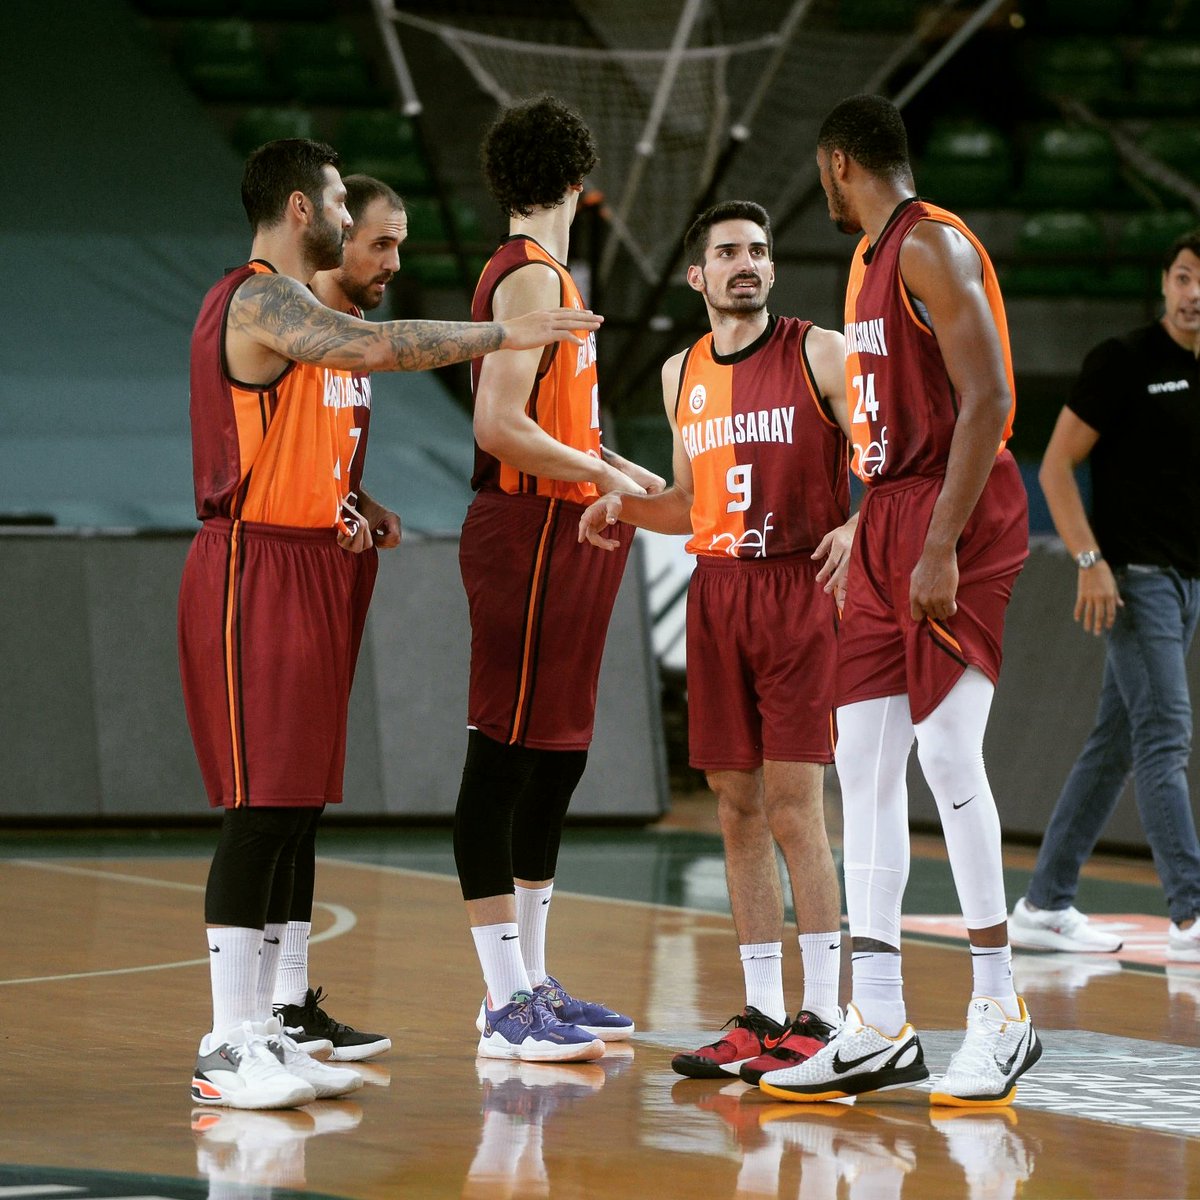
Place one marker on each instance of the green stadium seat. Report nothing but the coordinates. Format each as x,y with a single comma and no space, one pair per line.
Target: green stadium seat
965,164
1068,167
1178,146
225,60
894,15
1145,236
288,10
1090,70
1080,16
259,125
433,270
1166,79
1062,255
381,143
426,227
321,64
182,9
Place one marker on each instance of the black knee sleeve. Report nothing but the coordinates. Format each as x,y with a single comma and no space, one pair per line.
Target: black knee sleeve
493,778
538,817
255,845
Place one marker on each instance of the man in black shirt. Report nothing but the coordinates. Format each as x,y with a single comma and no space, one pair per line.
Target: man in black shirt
1135,411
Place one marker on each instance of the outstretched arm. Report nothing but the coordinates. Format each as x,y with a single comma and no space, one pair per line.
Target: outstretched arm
274,318
668,511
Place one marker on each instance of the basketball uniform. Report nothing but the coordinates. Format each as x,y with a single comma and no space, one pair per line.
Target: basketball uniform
769,468
903,409
540,602
271,609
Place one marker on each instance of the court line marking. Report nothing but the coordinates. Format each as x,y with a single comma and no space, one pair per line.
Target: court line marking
344,920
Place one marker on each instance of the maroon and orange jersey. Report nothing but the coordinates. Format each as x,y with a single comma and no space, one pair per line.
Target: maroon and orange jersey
768,464
901,402
283,453
563,400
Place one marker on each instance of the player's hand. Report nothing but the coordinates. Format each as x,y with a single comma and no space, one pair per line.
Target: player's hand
653,484
933,585
354,530
835,550
549,325
598,517
385,524
1097,598
609,479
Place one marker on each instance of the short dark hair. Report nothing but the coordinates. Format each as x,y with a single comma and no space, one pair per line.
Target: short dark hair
276,170
1185,241
533,152
871,131
695,241
361,190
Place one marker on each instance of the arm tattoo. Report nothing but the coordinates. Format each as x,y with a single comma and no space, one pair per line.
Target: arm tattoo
279,312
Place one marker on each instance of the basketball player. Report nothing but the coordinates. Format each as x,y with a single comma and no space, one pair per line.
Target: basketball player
371,257
539,602
760,469
941,538
271,604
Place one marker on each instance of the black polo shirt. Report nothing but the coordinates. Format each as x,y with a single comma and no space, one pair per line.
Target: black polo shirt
1141,393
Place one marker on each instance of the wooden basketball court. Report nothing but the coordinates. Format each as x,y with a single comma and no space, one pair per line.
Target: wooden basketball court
104,994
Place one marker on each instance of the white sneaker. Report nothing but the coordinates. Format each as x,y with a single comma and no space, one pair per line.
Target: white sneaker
1057,929
1183,945
325,1080
857,1059
246,1073
251,1148
996,1052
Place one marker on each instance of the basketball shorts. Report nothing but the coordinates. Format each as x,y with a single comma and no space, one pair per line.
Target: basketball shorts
270,623
761,663
540,603
882,651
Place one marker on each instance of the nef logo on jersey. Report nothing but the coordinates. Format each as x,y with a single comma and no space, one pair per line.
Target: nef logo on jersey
697,399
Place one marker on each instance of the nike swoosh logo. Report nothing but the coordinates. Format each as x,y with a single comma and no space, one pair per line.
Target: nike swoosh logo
769,1043
271,941
214,949
545,901
509,937
835,945
841,1065
1006,1067
964,804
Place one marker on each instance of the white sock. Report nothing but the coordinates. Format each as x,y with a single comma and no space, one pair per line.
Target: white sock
233,972
878,990
822,956
291,976
762,965
533,907
268,965
499,950
991,968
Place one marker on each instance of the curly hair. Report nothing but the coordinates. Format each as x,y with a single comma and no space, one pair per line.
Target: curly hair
534,152
871,131
695,242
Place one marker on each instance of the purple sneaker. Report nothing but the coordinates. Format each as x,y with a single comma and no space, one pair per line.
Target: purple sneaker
526,1028
596,1019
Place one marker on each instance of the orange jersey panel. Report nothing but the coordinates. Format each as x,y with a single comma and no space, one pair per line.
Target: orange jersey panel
564,399
284,453
901,403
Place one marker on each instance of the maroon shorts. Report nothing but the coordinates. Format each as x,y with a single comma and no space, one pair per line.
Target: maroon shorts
540,605
761,660
882,651
270,623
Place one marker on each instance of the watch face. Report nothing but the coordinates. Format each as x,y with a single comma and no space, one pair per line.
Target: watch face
1088,558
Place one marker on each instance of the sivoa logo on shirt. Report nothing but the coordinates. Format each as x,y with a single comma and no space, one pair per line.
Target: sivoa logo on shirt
1173,385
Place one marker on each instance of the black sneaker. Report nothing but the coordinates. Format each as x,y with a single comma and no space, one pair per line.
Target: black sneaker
348,1044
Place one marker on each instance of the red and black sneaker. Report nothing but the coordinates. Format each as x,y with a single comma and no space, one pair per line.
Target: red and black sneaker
753,1033
806,1036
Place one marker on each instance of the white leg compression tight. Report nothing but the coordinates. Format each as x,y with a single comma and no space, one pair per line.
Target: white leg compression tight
874,739
950,749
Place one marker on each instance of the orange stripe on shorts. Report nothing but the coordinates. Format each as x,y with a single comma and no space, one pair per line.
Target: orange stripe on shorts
530,620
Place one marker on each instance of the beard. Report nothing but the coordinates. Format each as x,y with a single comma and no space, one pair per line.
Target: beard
359,292
839,213
731,305
323,245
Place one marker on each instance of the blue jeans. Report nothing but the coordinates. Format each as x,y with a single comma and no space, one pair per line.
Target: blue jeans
1143,726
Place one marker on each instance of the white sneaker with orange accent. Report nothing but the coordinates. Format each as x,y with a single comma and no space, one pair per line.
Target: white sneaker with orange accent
996,1052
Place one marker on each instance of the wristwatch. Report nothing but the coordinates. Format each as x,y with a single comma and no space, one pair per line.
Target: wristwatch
1088,559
